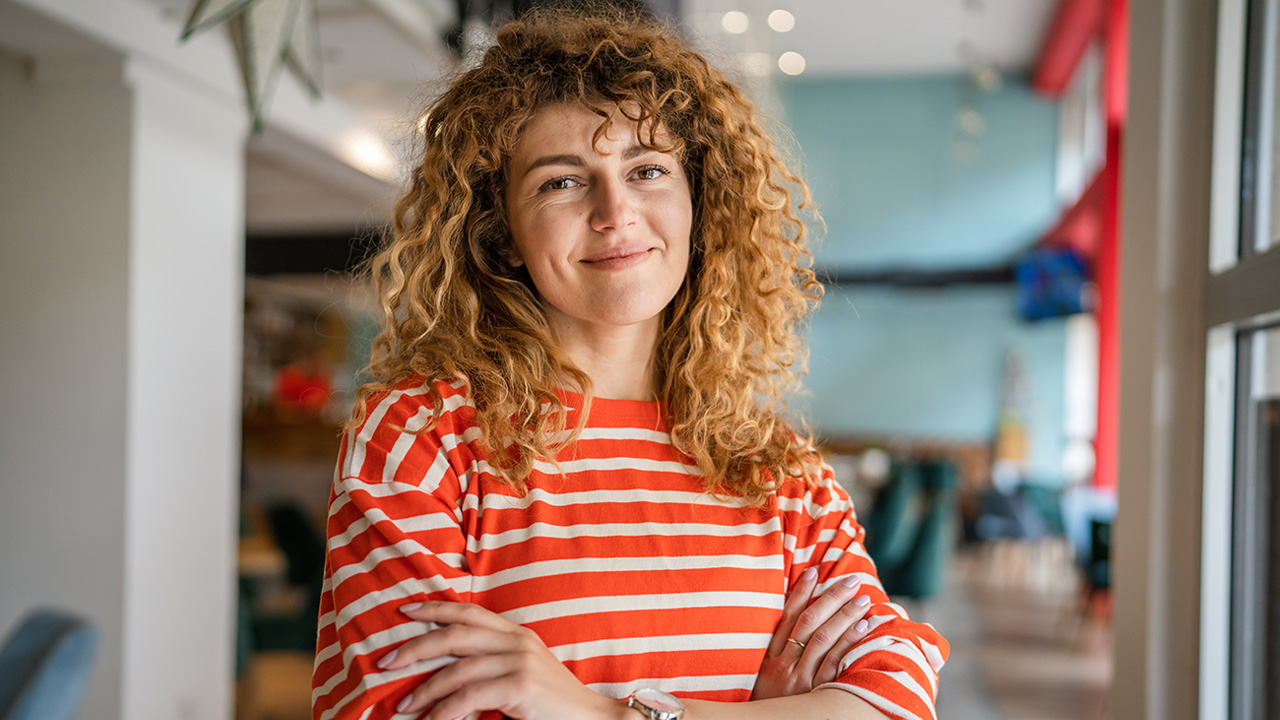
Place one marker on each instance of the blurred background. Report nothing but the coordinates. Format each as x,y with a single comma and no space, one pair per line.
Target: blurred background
181,220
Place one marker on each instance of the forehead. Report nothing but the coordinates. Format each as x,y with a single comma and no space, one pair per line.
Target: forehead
568,125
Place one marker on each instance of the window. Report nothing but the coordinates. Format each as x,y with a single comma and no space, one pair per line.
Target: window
1240,580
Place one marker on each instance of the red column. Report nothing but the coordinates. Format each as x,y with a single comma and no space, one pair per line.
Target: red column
1107,262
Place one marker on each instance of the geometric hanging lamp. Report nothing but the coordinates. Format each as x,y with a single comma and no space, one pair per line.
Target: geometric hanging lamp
267,35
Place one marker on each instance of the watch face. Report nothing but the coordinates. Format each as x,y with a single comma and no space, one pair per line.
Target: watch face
658,700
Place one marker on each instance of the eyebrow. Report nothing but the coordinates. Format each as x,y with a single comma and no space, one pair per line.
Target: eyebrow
630,153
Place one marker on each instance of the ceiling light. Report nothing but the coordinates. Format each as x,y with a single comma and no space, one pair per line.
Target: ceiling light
791,63
782,21
735,22
369,153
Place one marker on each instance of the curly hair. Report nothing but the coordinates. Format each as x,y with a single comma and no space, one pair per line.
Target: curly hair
729,349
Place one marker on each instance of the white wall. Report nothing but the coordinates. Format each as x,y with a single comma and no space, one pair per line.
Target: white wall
121,258
64,266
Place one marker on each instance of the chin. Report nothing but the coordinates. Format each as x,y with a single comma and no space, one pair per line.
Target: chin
626,314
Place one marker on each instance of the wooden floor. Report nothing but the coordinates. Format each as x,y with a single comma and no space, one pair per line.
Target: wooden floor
1020,647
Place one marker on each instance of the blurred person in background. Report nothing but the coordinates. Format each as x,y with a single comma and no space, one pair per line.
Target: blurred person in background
571,490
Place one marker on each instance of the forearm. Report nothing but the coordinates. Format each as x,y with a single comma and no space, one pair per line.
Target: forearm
820,704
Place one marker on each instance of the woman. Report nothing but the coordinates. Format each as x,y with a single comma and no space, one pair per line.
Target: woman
571,488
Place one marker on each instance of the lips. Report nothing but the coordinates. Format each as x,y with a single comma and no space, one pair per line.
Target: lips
617,253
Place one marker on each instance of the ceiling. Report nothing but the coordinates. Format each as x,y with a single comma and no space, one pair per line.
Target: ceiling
381,58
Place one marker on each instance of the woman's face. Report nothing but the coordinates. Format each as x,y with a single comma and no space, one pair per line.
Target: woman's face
603,229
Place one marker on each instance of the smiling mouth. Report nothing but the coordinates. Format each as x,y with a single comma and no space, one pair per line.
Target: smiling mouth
617,255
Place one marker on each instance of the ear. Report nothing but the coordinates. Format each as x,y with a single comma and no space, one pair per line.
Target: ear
513,256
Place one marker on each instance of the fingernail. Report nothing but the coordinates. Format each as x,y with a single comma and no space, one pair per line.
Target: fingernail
810,574
849,581
386,659
862,601
404,704
410,607
861,626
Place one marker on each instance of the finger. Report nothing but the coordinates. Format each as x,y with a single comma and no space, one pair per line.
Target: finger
822,609
825,637
453,679
456,640
829,669
494,694
795,603
450,613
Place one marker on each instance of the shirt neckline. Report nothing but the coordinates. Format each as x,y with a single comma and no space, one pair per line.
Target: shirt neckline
601,407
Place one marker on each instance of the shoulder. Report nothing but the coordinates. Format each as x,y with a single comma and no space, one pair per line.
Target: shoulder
822,496
415,403
407,429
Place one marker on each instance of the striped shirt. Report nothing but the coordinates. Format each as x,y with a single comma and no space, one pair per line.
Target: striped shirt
627,569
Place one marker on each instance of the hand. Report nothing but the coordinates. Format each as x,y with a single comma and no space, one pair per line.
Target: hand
500,666
807,646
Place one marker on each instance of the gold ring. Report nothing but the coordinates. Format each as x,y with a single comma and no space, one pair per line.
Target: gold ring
793,640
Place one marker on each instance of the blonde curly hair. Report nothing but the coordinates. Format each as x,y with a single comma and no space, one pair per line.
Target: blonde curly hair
729,349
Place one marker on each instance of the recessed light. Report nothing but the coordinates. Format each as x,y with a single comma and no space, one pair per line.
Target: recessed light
791,63
782,21
735,22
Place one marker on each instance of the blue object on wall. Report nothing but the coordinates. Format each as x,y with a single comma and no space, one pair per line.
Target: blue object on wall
1052,282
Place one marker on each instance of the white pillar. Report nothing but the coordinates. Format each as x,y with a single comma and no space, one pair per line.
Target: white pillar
186,299
121,245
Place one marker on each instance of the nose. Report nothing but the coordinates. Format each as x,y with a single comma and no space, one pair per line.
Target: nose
613,207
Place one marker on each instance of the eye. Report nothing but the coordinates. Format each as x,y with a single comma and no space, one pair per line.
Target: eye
559,183
651,172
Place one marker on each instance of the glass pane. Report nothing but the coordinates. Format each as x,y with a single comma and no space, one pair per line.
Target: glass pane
1262,106
1256,566
1267,469
1269,234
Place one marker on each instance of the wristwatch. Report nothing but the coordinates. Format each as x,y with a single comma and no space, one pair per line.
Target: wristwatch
656,704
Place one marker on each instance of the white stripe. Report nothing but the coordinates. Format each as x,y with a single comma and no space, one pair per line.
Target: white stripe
372,645
404,590
400,549
686,684
577,566
631,603
606,530
595,497
876,700
614,464
931,652
906,649
902,647
354,483
660,644
804,505
907,682
355,458
863,578
340,498
406,440
625,433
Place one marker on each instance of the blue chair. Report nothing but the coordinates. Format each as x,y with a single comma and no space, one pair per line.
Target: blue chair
922,573
45,666
894,520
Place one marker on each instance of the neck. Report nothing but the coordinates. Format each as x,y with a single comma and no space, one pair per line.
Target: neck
617,359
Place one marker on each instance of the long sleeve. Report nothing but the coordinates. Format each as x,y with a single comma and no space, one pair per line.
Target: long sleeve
895,667
394,537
